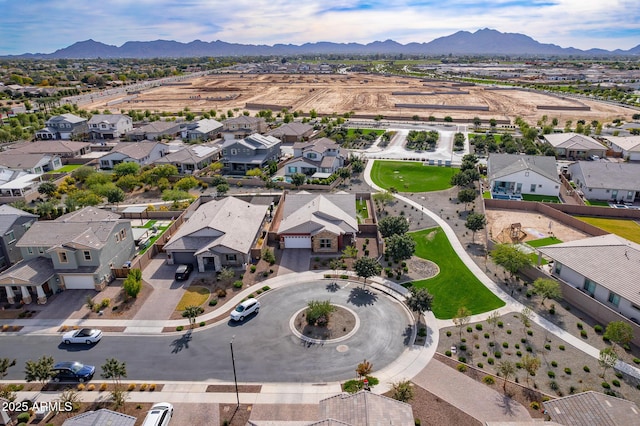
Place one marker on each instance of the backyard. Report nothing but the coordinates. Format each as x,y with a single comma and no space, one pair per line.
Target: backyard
156,228
454,286
624,228
411,176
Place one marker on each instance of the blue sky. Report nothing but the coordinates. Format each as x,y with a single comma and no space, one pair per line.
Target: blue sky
43,26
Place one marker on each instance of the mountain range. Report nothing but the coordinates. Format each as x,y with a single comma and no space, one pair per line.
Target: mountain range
482,42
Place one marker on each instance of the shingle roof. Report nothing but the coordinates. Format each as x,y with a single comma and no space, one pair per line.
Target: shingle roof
34,271
50,147
592,408
135,150
71,118
573,141
101,417
628,143
254,141
291,129
191,154
21,160
318,145
366,409
606,175
206,125
9,215
500,165
311,213
608,260
155,127
109,118
229,222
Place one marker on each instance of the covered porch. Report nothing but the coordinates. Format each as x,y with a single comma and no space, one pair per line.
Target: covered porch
29,279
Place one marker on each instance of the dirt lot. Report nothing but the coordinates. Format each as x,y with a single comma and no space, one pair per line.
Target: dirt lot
534,225
360,93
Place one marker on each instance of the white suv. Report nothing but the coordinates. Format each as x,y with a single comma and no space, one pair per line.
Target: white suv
245,309
159,415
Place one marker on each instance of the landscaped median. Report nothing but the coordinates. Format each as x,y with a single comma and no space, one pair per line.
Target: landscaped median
455,286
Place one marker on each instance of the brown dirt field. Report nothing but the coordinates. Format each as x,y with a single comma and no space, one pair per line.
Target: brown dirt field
360,93
497,220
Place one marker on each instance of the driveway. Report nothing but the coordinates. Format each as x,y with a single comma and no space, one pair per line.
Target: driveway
294,260
167,292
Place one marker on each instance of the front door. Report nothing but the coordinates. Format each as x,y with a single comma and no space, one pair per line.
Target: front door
519,188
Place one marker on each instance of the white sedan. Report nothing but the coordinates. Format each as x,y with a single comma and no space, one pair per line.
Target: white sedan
84,335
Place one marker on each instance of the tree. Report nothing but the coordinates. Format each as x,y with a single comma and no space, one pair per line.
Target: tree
402,391
608,359
175,195
126,168
619,332
192,313
164,171
507,369
531,364
129,182
350,252
510,258
116,371
226,274
393,225
493,320
114,195
70,398
40,370
399,247
547,288
6,391
45,209
364,368
466,196
525,317
419,300
222,188
132,284
82,173
366,267
187,183
475,222
319,311
47,188
462,318
297,179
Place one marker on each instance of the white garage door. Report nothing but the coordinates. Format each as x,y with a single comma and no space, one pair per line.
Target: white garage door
297,242
78,282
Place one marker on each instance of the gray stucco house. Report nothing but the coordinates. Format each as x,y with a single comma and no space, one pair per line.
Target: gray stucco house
218,234
602,180
514,175
155,130
109,126
321,156
192,158
13,224
63,126
75,251
255,151
202,130
574,146
142,153
243,125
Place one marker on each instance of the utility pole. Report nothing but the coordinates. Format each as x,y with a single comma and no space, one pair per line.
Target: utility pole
235,379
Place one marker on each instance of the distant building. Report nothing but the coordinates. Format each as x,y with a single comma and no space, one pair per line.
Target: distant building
142,153
109,126
602,180
63,126
574,146
512,174
202,130
255,151
155,131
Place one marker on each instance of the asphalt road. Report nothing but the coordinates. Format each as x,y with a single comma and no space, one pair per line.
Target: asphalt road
265,349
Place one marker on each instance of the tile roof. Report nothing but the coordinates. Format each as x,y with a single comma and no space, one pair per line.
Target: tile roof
229,222
628,143
500,165
22,160
34,271
191,154
70,118
592,408
311,213
108,118
291,129
319,145
609,260
9,215
49,147
135,150
606,175
206,125
366,409
101,417
573,141
156,127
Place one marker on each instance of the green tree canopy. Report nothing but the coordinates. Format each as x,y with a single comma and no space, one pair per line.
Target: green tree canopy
126,168
399,247
419,300
47,188
366,267
547,288
619,332
40,370
466,196
510,258
393,225
475,222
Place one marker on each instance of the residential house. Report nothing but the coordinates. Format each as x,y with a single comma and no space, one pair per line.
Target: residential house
325,223
318,158
243,125
18,186
109,126
292,132
63,126
13,224
154,131
603,180
143,153
605,268
61,148
218,234
364,408
101,417
255,151
191,158
512,175
75,251
29,163
591,408
202,130
574,146
627,146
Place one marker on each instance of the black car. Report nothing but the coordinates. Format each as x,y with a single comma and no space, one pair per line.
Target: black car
72,371
183,272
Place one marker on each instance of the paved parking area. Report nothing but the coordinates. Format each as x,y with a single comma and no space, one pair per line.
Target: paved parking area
167,292
294,260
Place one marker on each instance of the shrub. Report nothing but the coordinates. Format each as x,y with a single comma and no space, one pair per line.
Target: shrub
105,303
461,368
505,345
179,328
448,334
616,383
422,332
469,329
572,389
551,374
479,327
553,385
463,347
264,274
535,405
508,331
500,324
529,348
606,385
24,417
586,369
463,340
489,380
523,340
221,292
486,335
152,387
213,302
547,347
497,354
561,347
81,386
597,328
554,364
462,359
567,370
202,323
266,288
91,387
519,353
618,375
143,387
131,386
447,353
490,361
492,344
237,284
416,422
103,387
253,268
517,345
484,354
636,360
480,365
583,334
530,332
580,326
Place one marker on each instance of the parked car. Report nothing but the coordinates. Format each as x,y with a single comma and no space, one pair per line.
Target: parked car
84,335
183,272
73,370
245,309
159,415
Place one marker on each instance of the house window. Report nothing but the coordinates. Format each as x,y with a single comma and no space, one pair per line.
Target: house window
526,173
29,250
63,257
629,195
230,257
614,299
123,234
3,262
533,188
11,238
234,151
589,286
117,237
312,155
292,169
27,225
41,250
87,255
325,243
558,268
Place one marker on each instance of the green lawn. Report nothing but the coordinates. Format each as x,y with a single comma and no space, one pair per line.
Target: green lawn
66,169
541,198
486,195
623,227
597,203
153,239
352,132
411,176
361,209
455,286
549,241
